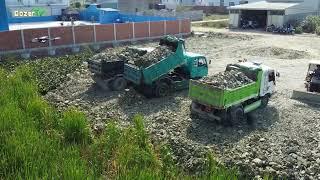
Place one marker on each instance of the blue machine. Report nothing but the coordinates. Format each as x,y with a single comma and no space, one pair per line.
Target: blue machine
3,17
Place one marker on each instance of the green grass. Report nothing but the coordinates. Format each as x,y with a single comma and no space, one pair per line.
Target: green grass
215,17
38,142
220,24
49,72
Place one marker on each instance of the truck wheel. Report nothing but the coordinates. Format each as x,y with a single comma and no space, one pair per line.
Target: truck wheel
119,84
264,101
236,115
162,89
192,112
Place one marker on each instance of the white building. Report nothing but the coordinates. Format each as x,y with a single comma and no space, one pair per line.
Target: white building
277,12
25,7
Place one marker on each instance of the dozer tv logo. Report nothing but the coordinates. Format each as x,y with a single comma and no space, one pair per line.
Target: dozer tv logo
34,12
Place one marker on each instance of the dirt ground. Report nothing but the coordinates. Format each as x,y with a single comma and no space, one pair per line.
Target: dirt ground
283,139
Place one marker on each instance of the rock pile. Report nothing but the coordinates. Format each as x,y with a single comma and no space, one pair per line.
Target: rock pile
154,56
140,58
227,79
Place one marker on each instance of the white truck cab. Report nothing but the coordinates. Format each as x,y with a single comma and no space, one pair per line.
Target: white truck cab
268,79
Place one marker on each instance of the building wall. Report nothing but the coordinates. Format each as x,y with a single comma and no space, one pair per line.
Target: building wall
133,5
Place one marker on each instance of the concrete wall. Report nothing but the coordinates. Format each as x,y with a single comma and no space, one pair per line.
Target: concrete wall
234,20
277,20
19,41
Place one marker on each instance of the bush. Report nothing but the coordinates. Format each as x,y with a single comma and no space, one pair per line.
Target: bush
318,30
298,30
75,127
310,24
219,24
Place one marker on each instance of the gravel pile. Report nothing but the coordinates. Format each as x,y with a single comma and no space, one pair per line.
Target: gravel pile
140,58
227,79
159,53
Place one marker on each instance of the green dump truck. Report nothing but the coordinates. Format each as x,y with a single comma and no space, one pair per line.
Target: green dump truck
156,79
231,105
170,73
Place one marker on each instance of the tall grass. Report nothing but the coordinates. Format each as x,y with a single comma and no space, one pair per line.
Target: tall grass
38,142
30,144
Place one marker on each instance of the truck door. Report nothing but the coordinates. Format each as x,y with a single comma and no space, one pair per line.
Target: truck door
269,82
200,68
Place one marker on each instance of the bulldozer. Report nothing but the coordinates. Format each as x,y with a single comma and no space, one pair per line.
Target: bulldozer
312,85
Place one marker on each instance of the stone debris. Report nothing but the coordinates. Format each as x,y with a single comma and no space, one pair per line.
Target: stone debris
154,56
135,56
227,79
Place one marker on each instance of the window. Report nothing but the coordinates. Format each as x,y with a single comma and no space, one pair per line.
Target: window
202,62
272,76
231,3
19,1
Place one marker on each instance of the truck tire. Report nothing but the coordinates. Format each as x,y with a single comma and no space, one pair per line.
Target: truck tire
162,89
236,115
265,101
119,84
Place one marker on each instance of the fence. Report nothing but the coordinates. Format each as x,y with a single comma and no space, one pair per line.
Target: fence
20,41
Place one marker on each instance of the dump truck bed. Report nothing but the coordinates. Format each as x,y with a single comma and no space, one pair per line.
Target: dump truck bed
103,67
150,74
221,98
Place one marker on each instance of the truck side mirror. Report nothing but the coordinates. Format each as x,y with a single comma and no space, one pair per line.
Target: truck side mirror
278,74
210,61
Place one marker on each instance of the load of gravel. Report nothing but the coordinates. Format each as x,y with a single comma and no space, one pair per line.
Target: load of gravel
159,53
227,79
135,56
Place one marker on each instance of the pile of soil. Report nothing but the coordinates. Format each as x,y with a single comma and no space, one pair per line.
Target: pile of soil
227,79
280,53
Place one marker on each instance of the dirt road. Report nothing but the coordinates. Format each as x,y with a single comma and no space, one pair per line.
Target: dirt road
283,139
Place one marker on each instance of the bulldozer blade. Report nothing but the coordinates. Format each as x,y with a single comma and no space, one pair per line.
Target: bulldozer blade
308,97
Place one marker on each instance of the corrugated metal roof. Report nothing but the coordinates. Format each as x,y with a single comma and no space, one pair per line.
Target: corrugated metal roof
264,5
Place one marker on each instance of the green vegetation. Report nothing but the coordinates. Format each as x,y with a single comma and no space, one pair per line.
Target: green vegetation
317,30
219,24
183,8
215,17
298,30
38,142
310,24
49,72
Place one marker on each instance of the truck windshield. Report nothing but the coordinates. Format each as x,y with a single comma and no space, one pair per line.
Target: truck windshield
202,62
